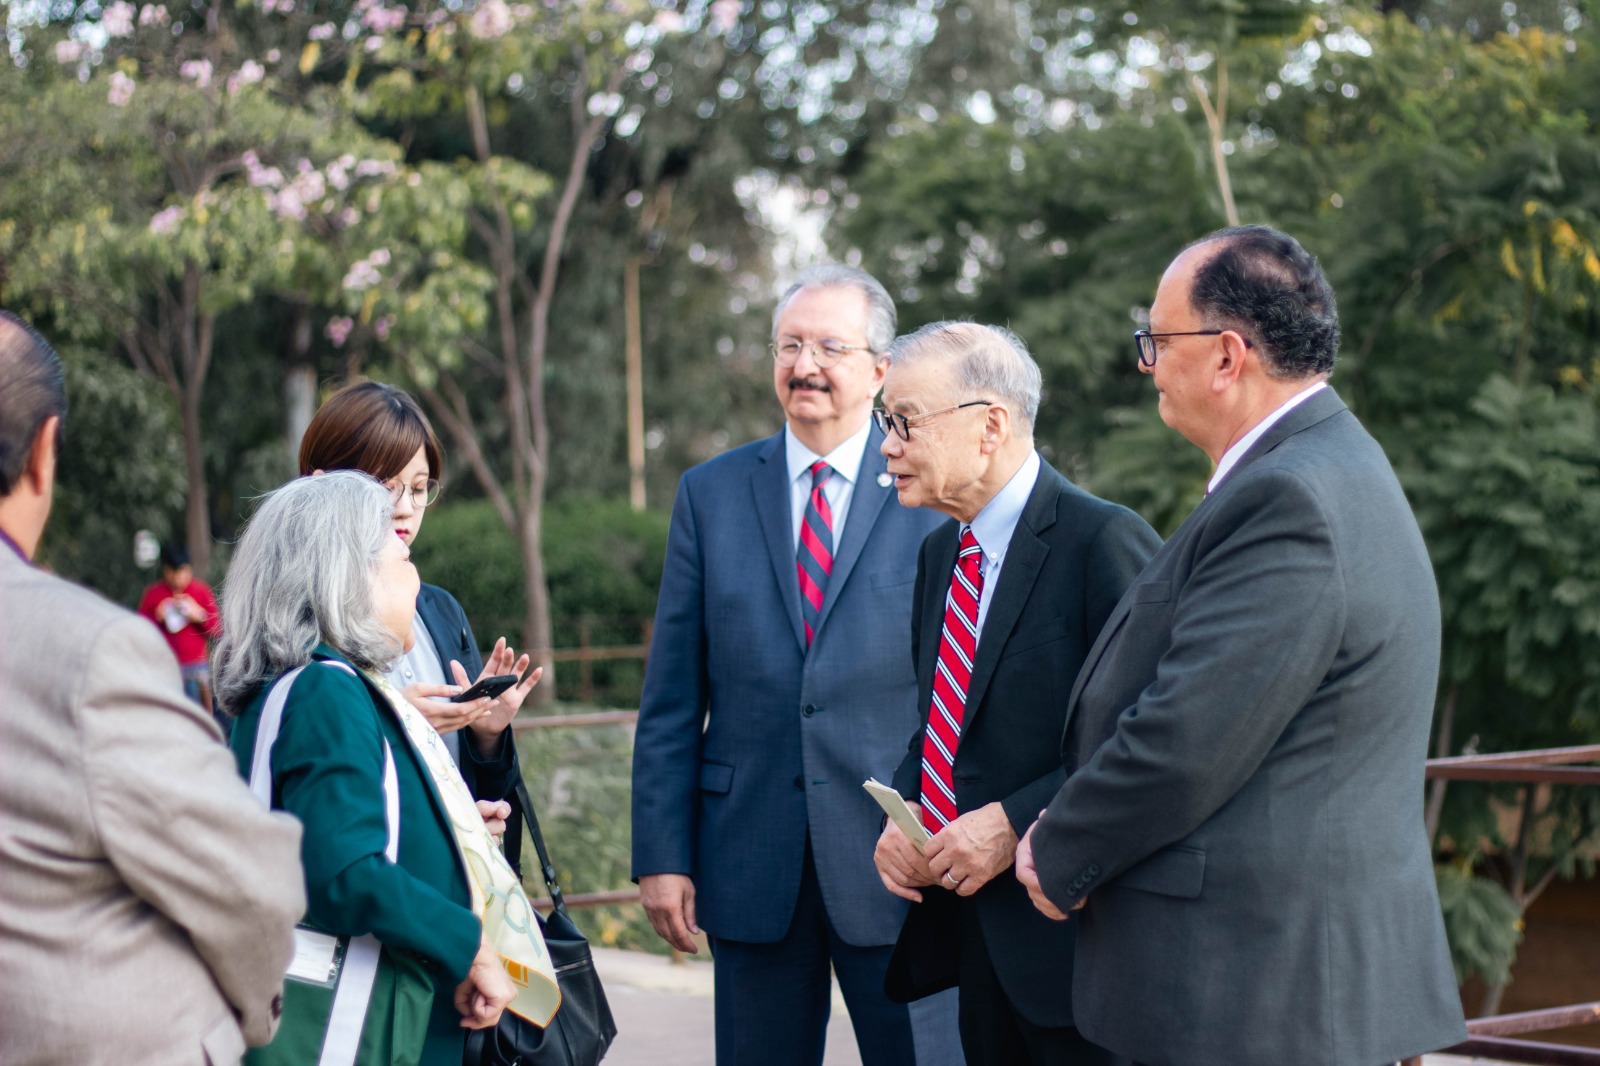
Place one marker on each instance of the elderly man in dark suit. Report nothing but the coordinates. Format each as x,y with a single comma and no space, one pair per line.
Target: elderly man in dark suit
1009,596
780,678
1247,737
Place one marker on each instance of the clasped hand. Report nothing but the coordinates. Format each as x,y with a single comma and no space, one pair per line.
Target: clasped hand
964,856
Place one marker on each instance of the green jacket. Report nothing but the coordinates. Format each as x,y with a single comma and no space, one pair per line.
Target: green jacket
327,770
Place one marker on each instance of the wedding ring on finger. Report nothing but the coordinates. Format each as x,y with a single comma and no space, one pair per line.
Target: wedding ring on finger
952,880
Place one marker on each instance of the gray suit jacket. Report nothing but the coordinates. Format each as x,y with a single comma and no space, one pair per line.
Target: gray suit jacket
1248,737
751,746
148,899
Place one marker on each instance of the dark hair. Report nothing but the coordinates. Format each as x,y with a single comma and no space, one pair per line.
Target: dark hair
174,555
33,388
1264,284
370,427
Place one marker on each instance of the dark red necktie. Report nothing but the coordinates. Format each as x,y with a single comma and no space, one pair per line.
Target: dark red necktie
814,558
957,645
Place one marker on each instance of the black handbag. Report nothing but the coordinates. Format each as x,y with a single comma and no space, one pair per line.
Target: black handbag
582,1029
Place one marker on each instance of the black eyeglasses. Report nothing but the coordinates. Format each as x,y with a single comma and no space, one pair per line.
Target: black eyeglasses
900,425
1146,341
421,495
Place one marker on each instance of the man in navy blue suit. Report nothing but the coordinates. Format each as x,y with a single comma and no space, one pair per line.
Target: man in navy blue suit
780,678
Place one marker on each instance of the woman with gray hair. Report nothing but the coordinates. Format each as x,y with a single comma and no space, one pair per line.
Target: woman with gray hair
318,600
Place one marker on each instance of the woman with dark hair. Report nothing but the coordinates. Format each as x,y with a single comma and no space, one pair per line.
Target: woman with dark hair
381,431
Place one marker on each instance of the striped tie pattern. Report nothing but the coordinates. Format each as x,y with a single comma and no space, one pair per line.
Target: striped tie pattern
957,645
814,558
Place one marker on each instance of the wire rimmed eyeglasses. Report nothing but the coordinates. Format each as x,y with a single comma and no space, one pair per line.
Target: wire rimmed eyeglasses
421,495
1145,341
892,421
825,353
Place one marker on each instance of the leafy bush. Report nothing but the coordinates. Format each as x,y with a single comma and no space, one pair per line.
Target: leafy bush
1482,921
603,562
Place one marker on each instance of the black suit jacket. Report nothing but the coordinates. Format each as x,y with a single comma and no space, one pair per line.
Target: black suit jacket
1069,560
488,777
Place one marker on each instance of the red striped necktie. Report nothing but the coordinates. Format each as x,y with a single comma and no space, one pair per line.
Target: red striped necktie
814,557
957,645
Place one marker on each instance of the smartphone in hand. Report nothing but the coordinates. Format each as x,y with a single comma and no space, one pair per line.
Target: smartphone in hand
487,688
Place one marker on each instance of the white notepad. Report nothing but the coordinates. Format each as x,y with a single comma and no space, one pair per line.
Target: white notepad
894,805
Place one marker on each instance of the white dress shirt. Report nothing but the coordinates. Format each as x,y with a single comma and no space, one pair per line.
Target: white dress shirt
994,525
1232,456
846,463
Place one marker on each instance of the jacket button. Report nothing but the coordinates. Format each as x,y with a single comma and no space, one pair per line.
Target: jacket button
1093,871
800,782
808,710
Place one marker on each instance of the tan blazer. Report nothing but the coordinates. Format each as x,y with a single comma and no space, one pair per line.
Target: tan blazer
146,898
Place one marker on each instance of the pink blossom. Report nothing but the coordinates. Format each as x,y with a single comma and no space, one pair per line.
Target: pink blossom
380,19
667,22
249,73
379,257
154,15
197,71
372,168
381,327
724,14
338,330
492,19
117,19
70,51
361,276
287,205
166,220
121,90
320,32
349,217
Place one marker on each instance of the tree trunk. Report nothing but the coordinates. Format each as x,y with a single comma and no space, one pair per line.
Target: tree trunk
299,383
197,512
536,632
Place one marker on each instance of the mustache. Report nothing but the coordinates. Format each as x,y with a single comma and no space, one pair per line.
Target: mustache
820,384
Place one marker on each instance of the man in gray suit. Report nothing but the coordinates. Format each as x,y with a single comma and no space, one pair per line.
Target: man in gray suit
149,901
780,678
1243,820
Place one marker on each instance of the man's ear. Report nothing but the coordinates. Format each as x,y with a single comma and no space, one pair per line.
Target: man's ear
1231,355
996,427
41,469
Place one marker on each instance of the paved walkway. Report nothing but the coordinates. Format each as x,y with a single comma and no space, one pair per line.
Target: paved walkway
663,1012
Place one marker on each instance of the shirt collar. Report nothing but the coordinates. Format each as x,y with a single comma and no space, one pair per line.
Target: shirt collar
994,524
1231,457
845,459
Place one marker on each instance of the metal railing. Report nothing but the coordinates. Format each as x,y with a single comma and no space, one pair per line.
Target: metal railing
1495,1037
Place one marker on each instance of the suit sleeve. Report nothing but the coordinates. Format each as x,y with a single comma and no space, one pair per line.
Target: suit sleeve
1254,631
908,775
327,770
1115,555
672,709
181,828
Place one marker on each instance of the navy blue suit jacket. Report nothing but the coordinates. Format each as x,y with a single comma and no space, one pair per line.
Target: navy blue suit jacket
748,743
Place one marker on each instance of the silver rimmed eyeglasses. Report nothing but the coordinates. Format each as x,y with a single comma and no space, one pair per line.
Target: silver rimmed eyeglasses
421,495
825,353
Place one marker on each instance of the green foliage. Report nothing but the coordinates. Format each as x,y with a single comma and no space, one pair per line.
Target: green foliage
1483,923
603,562
121,471
580,781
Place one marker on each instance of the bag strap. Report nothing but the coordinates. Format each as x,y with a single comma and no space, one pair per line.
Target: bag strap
546,869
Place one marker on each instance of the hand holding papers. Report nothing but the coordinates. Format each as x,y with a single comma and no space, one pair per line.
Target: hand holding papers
894,805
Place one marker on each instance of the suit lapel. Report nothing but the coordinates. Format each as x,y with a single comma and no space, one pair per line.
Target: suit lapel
1024,560
866,503
769,485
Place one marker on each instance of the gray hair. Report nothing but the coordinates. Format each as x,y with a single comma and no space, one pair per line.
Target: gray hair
880,305
989,361
303,574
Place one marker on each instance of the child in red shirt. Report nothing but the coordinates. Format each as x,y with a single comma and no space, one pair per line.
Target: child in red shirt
184,609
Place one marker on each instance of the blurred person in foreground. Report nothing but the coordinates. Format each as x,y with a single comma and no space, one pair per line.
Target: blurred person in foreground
1009,596
147,902
779,680
185,610
1242,818
317,603
381,431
